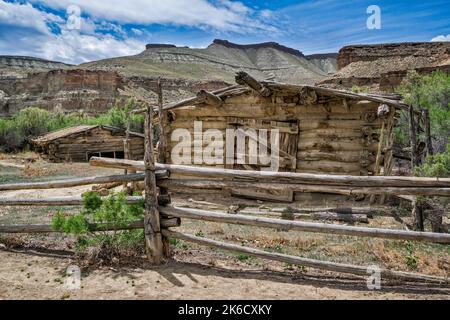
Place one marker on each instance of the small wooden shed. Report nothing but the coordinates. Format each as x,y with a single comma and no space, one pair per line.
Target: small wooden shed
321,130
80,143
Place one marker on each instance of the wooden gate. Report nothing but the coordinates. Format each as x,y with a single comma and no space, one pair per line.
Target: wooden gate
288,142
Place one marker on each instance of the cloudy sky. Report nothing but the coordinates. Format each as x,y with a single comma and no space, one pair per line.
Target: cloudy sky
76,31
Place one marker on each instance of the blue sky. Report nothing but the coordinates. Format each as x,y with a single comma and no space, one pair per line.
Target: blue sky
76,31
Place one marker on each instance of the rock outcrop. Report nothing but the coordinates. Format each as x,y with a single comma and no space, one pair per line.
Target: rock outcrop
31,63
62,90
384,66
327,62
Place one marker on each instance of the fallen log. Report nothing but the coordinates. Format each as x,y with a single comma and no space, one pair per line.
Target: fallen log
338,180
324,265
333,216
340,210
305,226
107,186
308,188
47,228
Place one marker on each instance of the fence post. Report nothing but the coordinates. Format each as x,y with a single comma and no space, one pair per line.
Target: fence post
426,120
413,138
164,193
152,228
417,213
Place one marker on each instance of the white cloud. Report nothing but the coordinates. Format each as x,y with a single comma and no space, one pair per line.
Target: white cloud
137,32
441,38
266,13
26,16
72,46
33,31
224,15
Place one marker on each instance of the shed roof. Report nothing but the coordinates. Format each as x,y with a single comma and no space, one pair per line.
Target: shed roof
66,132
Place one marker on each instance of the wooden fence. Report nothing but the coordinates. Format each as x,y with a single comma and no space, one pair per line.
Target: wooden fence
170,216
160,215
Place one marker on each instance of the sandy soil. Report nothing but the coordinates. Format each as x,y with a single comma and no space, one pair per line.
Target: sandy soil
40,275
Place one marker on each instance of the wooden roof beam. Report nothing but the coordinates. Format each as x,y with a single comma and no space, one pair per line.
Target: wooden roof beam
243,78
209,98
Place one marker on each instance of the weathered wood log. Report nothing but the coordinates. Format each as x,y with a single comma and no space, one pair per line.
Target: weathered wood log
335,93
152,229
324,265
243,78
195,100
162,149
370,211
308,188
209,98
67,183
339,180
107,186
413,138
70,201
305,226
428,140
417,213
47,228
333,216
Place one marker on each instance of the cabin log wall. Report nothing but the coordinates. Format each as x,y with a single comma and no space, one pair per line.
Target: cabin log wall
334,137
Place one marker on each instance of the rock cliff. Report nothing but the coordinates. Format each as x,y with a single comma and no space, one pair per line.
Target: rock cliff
384,66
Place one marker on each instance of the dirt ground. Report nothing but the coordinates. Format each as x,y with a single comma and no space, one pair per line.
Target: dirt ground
40,275
194,272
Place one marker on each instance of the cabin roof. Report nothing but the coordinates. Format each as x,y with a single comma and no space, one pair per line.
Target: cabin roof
393,100
66,132
390,99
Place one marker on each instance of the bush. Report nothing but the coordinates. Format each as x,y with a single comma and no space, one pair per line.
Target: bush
437,165
113,212
433,93
26,124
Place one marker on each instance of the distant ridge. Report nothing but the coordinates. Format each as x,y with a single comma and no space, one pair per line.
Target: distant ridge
159,45
322,56
273,45
30,62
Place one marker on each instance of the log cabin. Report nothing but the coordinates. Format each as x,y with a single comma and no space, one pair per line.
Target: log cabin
80,143
320,130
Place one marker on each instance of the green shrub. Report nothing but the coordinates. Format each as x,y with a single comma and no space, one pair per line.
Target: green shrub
32,122
437,165
111,211
433,93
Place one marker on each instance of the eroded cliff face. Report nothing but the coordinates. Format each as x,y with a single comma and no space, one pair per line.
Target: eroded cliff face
81,90
383,67
59,90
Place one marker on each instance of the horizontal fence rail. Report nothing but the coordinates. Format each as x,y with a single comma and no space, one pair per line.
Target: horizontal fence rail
305,226
58,201
47,228
71,201
318,264
277,186
301,178
68,183
282,181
